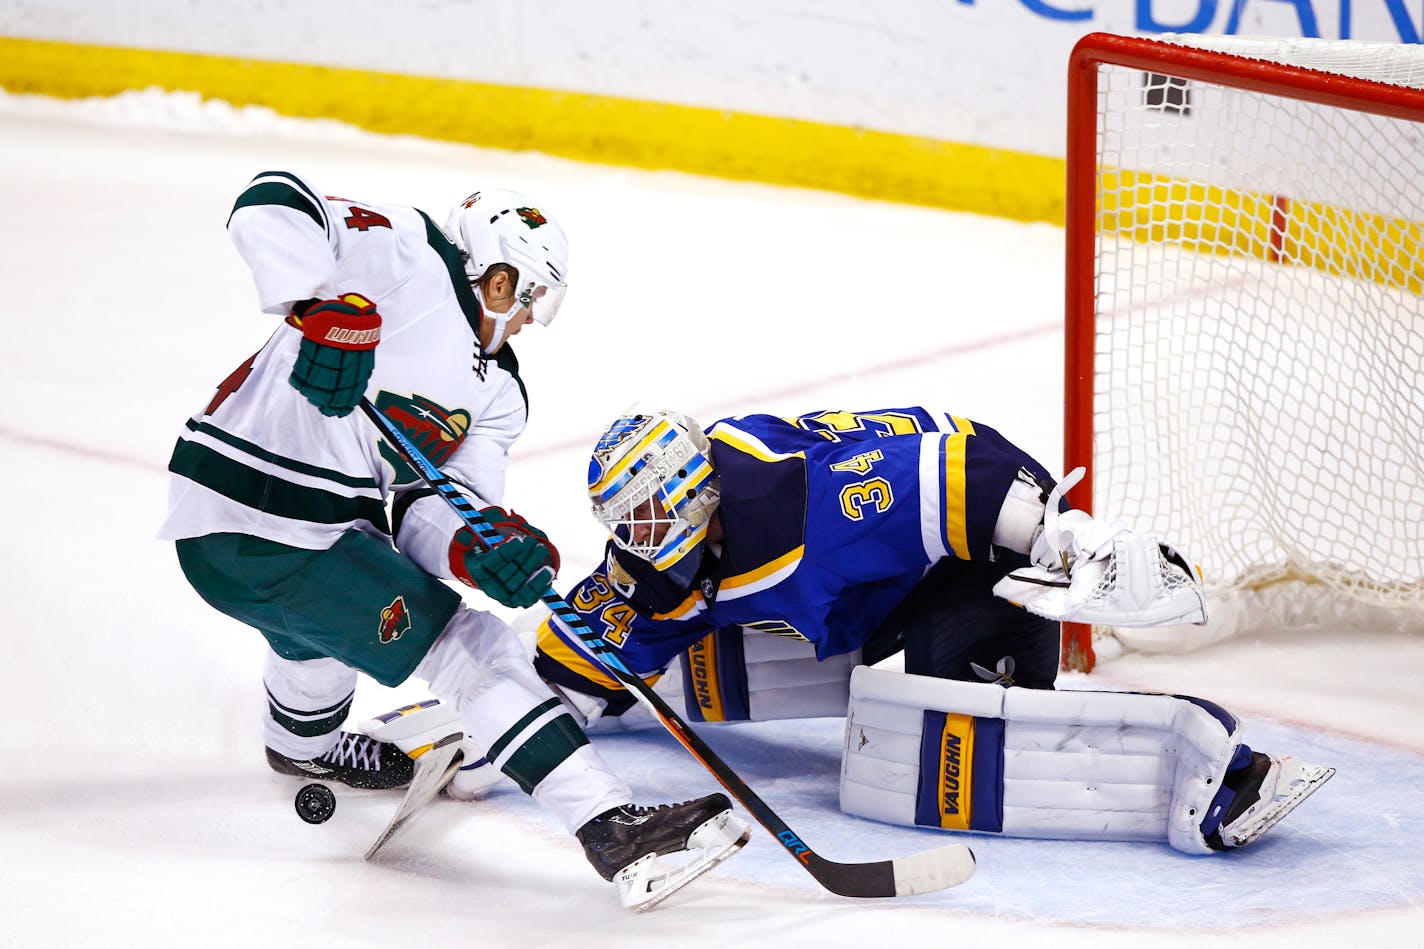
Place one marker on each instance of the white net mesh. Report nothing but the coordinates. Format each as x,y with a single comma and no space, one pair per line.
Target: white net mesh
1259,339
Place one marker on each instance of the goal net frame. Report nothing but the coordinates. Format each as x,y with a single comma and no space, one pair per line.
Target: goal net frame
1191,65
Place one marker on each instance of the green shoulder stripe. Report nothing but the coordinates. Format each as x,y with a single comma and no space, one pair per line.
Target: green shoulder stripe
288,192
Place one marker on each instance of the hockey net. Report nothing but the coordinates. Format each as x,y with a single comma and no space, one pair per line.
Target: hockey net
1245,335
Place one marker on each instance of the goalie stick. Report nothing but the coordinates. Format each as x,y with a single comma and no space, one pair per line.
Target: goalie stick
926,872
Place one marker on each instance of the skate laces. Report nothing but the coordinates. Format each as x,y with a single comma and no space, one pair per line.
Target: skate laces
355,751
649,810
632,814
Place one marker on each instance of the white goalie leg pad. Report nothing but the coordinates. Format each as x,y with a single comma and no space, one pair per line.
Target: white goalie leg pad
747,675
417,728
477,774
966,756
414,728
786,680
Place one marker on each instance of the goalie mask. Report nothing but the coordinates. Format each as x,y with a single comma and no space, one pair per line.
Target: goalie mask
497,226
652,485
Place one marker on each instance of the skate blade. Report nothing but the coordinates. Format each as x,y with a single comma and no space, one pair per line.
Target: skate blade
642,885
1277,811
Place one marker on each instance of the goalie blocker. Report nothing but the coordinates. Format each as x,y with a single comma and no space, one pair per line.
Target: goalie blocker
1060,764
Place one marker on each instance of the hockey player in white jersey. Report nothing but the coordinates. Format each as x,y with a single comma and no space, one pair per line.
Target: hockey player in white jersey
279,488
853,535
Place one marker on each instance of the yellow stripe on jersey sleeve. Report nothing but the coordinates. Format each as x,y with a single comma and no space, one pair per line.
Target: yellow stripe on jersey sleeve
767,575
749,444
552,645
956,499
687,608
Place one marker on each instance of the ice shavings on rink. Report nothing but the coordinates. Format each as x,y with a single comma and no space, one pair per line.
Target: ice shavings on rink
135,808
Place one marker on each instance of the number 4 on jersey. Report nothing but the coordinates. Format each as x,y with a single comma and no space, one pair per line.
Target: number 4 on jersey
363,220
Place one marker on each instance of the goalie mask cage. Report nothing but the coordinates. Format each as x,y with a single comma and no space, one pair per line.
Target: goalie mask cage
1244,332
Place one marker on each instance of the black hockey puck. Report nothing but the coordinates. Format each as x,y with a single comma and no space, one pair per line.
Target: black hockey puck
315,803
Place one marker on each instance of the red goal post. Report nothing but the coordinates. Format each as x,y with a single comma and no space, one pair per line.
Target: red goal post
1244,341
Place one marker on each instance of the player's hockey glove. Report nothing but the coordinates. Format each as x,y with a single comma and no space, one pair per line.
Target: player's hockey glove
338,352
514,572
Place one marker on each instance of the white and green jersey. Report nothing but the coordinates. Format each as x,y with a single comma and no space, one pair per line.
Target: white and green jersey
260,459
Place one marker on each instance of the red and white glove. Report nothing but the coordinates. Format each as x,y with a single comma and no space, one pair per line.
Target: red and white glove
517,571
337,352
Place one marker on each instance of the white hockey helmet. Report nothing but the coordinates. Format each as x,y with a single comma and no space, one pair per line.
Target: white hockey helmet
653,486
497,226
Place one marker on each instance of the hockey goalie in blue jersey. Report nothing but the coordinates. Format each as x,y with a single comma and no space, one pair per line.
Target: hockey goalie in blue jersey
852,536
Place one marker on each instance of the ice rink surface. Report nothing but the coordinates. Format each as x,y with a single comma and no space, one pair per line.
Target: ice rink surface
135,806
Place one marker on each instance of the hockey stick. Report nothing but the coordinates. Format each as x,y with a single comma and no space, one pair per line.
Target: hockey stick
925,872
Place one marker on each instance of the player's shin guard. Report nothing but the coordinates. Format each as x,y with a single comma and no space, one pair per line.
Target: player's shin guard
479,668
1034,763
738,674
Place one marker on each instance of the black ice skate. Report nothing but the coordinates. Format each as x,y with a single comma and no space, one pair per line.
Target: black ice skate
623,845
1266,790
356,761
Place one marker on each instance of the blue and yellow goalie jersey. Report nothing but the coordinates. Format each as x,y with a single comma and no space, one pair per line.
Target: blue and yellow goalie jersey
828,521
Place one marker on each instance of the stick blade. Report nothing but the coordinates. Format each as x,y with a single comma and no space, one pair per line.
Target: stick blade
927,872
933,870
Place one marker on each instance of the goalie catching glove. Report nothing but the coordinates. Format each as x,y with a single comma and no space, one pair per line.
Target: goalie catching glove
338,351
1090,571
516,571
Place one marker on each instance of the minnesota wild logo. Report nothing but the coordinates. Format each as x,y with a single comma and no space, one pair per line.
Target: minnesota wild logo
531,216
435,430
395,621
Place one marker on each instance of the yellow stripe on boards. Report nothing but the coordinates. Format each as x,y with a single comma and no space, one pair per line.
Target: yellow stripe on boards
1211,219
637,133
